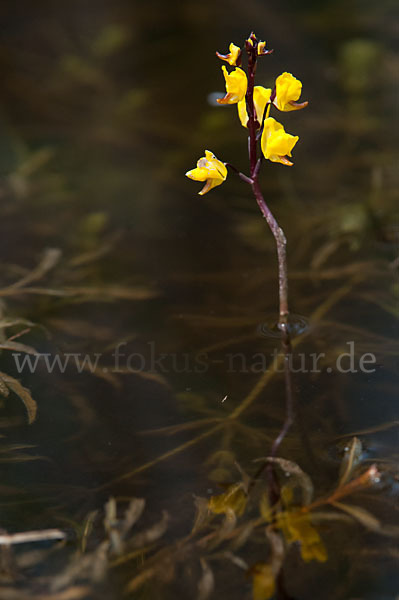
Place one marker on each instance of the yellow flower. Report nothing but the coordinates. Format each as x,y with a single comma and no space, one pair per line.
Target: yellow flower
276,144
261,98
236,86
262,49
234,56
288,90
209,169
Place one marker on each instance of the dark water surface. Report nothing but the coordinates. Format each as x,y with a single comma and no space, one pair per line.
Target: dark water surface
104,107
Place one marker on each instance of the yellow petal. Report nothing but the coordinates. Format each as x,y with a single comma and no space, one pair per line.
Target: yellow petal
261,98
288,91
262,49
214,163
233,56
242,112
276,143
236,86
198,174
210,183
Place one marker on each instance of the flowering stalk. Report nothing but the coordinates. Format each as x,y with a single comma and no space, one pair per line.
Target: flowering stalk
252,124
254,103
281,242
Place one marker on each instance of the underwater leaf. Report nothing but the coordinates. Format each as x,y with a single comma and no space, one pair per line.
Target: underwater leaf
117,529
246,479
236,560
366,479
4,391
152,534
91,566
17,458
243,536
376,428
35,161
15,447
107,293
87,529
297,527
264,507
202,513
50,258
233,500
111,526
322,516
207,582
173,429
23,393
263,582
78,592
352,457
232,504
294,470
90,256
221,458
17,347
12,322
360,514
132,514
277,546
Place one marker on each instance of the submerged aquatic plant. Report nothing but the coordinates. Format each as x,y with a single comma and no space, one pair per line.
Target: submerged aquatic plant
254,103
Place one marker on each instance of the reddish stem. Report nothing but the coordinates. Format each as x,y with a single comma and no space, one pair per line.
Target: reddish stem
276,230
281,243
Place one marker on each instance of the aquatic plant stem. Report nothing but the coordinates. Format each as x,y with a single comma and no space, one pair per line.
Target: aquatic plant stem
289,401
274,487
281,244
253,126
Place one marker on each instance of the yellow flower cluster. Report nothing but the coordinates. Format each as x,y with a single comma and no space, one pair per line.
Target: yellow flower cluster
276,144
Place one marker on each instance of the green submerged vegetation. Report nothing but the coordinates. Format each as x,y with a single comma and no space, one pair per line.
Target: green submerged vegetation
152,444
